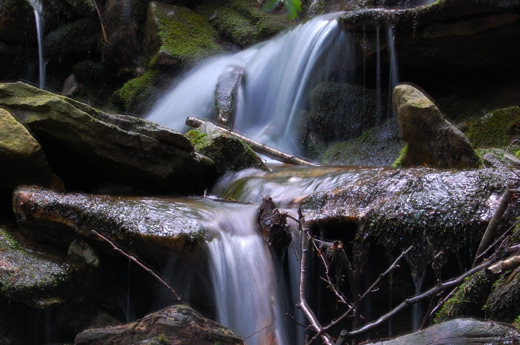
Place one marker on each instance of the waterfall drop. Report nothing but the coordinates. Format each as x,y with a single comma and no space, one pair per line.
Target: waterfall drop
279,74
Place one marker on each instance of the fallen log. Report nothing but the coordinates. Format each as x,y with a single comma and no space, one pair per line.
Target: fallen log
256,146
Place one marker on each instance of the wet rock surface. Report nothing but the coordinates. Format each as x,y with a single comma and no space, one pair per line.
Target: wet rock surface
433,210
39,276
90,149
139,224
174,325
460,331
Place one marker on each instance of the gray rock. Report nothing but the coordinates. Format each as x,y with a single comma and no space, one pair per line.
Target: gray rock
226,95
30,274
460,332
173,325
432,140
90,149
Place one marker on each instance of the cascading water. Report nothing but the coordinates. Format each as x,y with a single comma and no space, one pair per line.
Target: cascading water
279,75
38,17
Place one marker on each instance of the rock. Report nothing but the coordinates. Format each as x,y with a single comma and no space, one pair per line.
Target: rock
229,153
498,128
226,95
173,325
122,49
17,17
79,249
457,40
91,149
379,146
71,86
30,274
176,35
23,160
245,23
138,224
331,103
432,140
460,331
432,210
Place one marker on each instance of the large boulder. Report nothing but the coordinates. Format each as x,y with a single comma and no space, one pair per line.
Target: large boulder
31,275
22,159
152,228
432,140
176,35
90,149
173,325
459,331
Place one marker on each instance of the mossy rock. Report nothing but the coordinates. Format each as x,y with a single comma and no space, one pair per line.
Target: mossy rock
496,129
503,303
177,35
39,280
229,153
378,146
78,37
245,23
138,94
469,299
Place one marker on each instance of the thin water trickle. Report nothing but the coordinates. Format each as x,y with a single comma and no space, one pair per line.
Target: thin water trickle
40,23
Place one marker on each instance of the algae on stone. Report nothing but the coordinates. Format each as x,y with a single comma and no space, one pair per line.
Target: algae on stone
177,35
496,129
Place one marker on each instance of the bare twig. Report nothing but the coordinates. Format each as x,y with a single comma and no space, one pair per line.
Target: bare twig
134,259
260,330
307,311
456,281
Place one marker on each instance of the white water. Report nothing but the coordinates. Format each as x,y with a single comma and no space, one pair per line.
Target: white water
279,74
247,285
38,17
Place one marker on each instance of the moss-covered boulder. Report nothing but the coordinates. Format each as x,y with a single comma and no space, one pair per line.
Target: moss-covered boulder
245,23
139,94
178,324
176,35
379,146
431,139
338,112
496,129
91,149
228,152
29,274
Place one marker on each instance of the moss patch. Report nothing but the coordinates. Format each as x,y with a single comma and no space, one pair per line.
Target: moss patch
469,299
178,35
138,94
497,129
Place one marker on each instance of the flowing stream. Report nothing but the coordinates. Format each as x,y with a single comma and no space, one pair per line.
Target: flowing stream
279,75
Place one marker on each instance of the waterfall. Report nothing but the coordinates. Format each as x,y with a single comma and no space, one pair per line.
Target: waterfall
38,17
249,296
279,75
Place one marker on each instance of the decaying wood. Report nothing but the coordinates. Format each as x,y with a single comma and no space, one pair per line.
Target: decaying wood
256,146
274,225
505,265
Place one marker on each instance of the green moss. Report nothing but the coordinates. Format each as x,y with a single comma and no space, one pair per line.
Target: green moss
469,298
496,129
183,35
244,22
138,94
399,161
503,303
198,139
